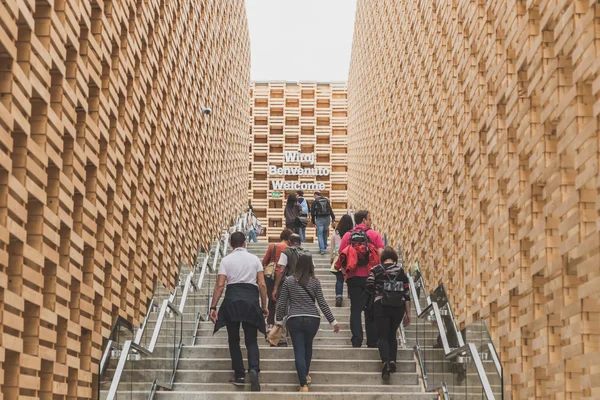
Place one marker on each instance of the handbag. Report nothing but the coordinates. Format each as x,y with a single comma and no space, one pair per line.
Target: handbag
301,222
270,268
275,334
336,255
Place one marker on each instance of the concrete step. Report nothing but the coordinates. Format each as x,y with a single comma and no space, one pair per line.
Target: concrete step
300,396
293,387
140,387
283,364
319,352
291,377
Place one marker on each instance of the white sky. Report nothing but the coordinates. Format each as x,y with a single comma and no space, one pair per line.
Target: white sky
296,40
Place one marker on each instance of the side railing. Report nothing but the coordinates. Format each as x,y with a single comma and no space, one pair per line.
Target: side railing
144,362
457,363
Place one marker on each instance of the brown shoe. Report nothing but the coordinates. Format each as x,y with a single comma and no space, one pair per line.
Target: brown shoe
304,389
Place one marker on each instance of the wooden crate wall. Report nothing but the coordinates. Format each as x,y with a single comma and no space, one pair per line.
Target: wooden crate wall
485,116
286,116
109,173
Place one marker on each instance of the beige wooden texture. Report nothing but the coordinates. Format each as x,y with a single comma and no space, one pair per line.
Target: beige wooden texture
109,173
485,115
287,116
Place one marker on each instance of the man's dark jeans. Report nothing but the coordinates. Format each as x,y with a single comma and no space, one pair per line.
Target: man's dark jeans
356,290
303,331
235,351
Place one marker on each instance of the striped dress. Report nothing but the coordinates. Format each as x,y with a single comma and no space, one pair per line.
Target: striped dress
295,302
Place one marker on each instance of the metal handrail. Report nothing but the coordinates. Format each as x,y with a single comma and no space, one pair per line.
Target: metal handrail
119,321
166,306
450,353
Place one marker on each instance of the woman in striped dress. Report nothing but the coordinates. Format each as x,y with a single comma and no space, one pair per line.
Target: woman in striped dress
297,302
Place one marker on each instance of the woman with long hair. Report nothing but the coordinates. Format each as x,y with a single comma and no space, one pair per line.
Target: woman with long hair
388,283
272,256
297,301
292,212
344,225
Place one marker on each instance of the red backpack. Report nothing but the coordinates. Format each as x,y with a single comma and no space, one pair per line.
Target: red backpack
360,241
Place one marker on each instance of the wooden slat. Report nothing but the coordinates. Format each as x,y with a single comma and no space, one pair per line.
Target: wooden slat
110,175
290,115
484,115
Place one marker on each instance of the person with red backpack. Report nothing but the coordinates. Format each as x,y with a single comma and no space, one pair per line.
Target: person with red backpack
359,252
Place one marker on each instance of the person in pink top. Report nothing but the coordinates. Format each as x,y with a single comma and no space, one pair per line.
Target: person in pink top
356,280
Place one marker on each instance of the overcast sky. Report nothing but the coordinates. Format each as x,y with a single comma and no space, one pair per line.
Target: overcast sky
296,40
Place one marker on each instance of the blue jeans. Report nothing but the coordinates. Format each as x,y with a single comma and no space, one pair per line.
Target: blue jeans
252,236
303,331
302,233
339,284
322,224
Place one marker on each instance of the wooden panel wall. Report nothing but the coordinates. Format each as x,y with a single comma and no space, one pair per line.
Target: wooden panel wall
109,173
485,115
286,116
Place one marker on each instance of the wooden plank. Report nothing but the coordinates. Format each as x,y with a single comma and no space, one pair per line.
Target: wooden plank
111,175
488,113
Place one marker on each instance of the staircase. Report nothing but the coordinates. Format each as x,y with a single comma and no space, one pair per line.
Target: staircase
338,371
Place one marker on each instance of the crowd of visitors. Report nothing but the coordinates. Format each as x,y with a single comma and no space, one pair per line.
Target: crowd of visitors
284,290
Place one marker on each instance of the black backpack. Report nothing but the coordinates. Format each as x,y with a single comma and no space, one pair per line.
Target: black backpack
322,206
293,255
393,291
360,241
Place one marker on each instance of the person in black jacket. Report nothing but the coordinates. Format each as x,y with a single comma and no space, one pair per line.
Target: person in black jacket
389,309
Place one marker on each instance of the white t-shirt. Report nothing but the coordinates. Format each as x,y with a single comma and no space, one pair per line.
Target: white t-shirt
240,267
282,259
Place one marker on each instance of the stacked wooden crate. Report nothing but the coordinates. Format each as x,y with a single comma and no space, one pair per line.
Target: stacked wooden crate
110,175
484,117
291,116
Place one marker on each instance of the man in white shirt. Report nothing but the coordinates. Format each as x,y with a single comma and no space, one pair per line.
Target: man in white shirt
243,274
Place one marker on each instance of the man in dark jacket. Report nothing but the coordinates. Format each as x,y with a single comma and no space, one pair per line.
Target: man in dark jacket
243,273
321,215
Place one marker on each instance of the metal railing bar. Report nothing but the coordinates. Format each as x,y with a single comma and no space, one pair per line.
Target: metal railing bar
216,257
481,372
140,332
440,325
141,349
119,321
188,284
225,242
402,335
112,391
445,392
456,331
179,348
495,358
159,321
152,390
105,355
203,271
172,296
421,364
198,318
413,293
173,308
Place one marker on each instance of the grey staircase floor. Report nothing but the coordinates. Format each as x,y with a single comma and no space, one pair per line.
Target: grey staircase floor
338,371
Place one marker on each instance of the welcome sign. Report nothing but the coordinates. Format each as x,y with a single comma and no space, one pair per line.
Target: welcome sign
296,156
